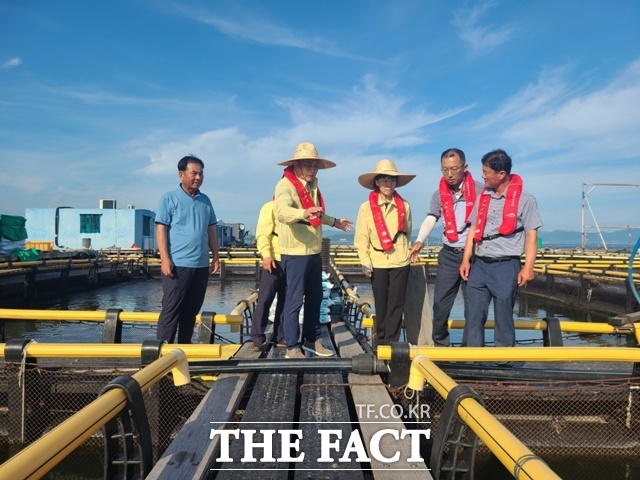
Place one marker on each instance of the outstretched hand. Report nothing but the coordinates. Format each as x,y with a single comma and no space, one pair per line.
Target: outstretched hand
344,224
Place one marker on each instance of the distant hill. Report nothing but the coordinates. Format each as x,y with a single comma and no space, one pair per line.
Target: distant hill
617,240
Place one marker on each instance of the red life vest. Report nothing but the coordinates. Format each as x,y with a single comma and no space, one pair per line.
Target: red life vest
446,200
509,212
305,198
378,219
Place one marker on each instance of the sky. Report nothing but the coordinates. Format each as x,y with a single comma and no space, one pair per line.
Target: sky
99,100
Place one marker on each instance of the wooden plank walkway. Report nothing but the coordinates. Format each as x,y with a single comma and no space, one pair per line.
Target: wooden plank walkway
294,401
190,454
371,398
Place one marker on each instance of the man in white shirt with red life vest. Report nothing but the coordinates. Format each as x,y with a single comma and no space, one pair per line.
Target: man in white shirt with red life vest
505,222
453,201
300,209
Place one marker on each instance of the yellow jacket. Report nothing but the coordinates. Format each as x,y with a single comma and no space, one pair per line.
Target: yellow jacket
295,237
267,233
366,238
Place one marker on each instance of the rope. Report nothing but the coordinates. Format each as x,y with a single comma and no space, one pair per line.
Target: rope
22,385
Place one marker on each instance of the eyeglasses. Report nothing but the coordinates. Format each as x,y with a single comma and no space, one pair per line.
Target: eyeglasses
452,169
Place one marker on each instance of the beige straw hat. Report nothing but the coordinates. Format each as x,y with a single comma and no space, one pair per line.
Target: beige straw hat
307,151
384,167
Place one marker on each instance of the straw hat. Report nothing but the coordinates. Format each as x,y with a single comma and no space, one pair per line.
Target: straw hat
384,167
307,151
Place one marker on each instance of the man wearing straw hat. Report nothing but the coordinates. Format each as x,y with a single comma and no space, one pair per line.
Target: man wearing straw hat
300,209
453,201
382,238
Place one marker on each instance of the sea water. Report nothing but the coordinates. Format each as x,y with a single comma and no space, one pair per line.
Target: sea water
223,297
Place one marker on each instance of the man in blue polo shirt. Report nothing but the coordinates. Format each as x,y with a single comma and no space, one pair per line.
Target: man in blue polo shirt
185,231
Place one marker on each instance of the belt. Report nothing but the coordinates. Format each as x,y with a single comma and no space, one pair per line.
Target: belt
497,259
453,249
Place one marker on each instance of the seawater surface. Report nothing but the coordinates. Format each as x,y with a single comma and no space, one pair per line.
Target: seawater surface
223,297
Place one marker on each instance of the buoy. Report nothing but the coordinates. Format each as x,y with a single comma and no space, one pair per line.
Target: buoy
134,245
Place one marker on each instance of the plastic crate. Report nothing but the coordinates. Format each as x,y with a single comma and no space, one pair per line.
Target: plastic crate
38,245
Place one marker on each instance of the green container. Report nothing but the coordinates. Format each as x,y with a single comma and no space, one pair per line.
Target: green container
539,242
12,227
28,255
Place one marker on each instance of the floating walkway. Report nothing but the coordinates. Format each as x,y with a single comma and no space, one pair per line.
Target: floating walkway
365,413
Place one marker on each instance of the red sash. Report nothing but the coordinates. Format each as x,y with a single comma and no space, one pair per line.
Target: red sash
446,200
378,219
509,213
305,198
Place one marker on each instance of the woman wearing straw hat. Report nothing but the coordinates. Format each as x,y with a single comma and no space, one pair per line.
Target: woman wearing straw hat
300,209
382,236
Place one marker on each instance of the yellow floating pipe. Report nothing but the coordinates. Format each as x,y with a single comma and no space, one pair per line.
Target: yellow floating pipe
245,303
521,354
99,316
566,326
511,452
112,350
41,456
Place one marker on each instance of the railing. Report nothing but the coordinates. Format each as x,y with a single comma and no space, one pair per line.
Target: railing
511,452
362,317
358,311
528,354
101,316
114,318
193,351
45,453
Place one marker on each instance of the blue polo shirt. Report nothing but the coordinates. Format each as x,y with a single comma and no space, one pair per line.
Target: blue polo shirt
188,219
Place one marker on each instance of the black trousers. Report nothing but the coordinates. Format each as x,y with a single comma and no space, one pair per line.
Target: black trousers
389,289
182,297
272,284
448,282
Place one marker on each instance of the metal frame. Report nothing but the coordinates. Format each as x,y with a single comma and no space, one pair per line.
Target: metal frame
587,206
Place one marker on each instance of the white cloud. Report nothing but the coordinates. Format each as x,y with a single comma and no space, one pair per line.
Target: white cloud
12,63
368,123
364,119
256,29
553,116
480,38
